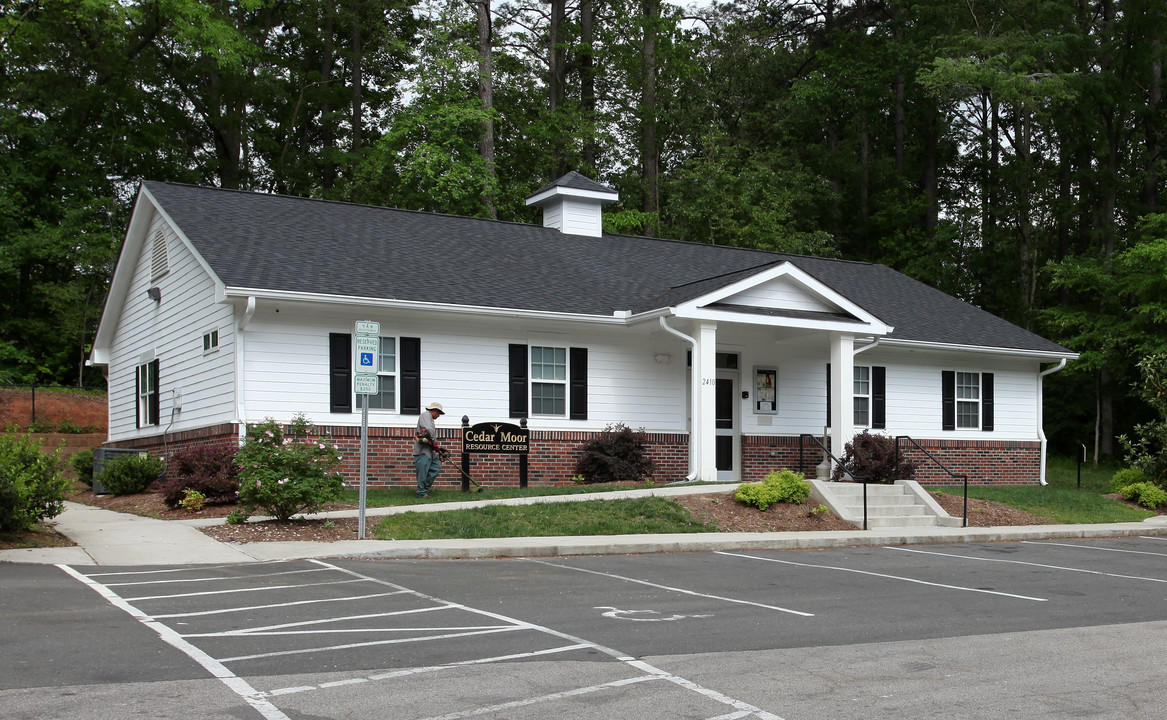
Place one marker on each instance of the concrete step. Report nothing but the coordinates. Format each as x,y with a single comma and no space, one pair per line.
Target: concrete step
900,521
888,511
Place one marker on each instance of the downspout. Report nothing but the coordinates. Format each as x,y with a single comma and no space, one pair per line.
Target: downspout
693,391
1040,416
240,409
865,348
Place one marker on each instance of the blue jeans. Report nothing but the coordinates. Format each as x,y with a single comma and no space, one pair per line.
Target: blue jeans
427,471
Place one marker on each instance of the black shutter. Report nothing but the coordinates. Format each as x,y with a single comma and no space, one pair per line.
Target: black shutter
578,393
155,409
828,394
878,397
948,402
138,396
986,401
340,372
518,380
410,375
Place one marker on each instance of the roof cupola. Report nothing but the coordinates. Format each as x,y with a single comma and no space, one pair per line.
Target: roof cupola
573,204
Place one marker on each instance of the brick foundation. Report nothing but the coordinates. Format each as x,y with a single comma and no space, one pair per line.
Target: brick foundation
554,455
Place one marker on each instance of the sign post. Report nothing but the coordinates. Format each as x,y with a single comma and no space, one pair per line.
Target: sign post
365,383
495,438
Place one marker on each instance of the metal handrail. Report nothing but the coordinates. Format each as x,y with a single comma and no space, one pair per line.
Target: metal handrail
837,463
962,477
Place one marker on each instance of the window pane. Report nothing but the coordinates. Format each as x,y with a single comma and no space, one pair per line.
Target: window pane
548,399
548,363
861,415
862,380
968,386
388,362
386,399
967,415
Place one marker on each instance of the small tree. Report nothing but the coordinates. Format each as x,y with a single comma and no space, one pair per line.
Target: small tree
873,457
32,488
1146,448
285,473
619,454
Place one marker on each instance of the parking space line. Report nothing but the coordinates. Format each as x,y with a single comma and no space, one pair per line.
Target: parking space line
574,692
890,577
289,586
1095,547
246,608
683,591
435,668
371,643
213,579
267,629
238,685
1031,564
1153,537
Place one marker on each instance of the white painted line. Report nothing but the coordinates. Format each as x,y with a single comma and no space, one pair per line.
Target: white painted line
324,621
343,631
371,643
214,579
169,571
1152,537
889,577
434,668
277,605
491,709
683,591
642,666
237,684
239,590
732,716
1095,547
1031,564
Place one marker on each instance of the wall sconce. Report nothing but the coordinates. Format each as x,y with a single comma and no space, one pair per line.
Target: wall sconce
663,358
155,294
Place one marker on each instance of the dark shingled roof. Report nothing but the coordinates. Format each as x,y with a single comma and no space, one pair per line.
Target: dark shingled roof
274,242
574,181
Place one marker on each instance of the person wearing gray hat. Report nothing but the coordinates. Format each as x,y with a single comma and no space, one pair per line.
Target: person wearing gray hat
427,454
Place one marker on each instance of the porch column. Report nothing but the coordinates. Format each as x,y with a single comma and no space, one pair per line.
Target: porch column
842,391
704,433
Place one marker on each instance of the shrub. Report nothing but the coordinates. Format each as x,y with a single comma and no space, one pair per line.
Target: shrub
873,457
286,473
82,462
210,471
192,500
617,454
779,486
1146,447
1146,494
1126,477
32,488
129,474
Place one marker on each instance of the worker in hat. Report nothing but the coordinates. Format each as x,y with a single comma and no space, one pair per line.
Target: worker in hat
427,455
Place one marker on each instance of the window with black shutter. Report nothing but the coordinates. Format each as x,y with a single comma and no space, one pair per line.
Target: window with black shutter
340,373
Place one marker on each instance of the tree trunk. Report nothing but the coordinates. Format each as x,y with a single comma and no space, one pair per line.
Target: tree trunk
486,96
587,85
649,152
1154,146
327,129
358,82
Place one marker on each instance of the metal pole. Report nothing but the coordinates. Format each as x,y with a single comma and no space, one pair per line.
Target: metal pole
465,455
364,464
523,460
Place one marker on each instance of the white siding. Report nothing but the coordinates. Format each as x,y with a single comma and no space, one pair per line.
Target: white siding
781,293
173,329
582,217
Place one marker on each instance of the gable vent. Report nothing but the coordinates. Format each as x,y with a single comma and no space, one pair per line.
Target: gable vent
159,256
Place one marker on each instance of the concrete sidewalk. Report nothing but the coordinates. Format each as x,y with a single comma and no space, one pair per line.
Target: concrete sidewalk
110,538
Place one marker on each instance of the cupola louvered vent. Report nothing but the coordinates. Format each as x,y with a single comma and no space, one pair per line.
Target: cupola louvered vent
159,256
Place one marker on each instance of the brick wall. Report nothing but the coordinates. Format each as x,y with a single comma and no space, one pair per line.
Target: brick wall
52,405
986,462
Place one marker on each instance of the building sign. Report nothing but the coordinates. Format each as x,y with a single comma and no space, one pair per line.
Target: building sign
493,437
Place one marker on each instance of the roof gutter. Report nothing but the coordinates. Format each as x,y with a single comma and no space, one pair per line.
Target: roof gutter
1040,416
955,347
693,465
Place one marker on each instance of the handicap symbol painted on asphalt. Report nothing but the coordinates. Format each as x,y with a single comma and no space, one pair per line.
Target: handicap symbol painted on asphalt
366,359
618,614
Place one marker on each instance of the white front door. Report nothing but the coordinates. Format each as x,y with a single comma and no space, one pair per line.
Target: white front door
727,441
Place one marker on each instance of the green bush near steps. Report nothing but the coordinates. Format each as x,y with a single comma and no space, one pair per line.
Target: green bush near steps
779,486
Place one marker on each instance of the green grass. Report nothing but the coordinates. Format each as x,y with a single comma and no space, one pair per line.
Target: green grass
589,517
391,497
1061,501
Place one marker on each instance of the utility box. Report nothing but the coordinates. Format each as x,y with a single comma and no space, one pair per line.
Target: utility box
103,455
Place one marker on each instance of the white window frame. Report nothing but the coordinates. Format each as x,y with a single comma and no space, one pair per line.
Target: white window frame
533,381
391,376
211,341
970,404
862,374
145,391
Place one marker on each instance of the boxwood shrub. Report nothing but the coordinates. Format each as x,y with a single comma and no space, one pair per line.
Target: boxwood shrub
129,474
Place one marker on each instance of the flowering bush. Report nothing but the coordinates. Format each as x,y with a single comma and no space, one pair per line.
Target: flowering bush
285,472
209,471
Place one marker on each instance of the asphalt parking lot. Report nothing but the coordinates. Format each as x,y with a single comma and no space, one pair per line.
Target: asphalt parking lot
1032,629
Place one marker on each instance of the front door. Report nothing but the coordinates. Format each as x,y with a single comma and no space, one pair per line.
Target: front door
726,418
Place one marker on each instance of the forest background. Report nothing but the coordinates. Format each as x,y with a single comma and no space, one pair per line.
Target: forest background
1009,152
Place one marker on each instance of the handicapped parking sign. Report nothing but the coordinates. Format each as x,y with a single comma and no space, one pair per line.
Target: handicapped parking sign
367,348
